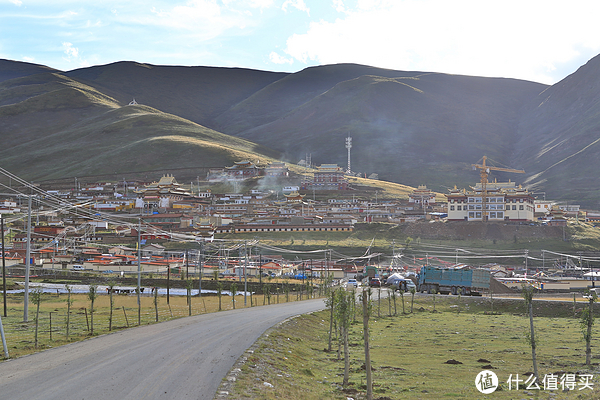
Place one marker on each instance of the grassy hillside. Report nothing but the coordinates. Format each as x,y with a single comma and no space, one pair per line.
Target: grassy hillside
279,98
409,127
87,132
419,129
558,138
15,69
198,94
128,140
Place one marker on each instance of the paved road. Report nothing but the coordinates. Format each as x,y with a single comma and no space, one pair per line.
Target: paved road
180,359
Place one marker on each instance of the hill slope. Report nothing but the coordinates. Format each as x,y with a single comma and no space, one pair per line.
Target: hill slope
195,93
559,137
409,127
412,128
67,128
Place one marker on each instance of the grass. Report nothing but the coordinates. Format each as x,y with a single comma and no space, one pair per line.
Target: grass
410,353
20,335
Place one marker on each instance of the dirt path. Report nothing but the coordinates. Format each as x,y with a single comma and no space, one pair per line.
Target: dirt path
180,359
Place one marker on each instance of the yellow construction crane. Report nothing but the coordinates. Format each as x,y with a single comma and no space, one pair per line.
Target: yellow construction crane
484,171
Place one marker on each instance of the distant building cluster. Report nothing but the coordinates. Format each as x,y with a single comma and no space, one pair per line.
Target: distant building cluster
167,209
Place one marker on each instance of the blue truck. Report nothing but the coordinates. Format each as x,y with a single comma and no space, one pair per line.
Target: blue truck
447,280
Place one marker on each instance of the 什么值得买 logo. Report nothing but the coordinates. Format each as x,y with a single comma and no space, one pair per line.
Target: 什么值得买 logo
486,382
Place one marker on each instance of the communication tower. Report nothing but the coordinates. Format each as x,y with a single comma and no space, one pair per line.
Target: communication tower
349,146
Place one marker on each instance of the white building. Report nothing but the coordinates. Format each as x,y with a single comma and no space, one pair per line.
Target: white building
505,202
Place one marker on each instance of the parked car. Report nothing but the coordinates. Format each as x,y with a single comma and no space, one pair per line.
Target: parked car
375,282
352,283
78,268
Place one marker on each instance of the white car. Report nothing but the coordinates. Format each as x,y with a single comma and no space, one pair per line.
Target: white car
78,268
352,283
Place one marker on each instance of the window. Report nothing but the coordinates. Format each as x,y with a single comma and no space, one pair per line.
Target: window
478,215
471,214
514,207
452,208
471,200
507,207
520,206
458,208
500,214
493,215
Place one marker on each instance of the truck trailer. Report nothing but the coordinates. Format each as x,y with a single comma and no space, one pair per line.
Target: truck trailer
447,280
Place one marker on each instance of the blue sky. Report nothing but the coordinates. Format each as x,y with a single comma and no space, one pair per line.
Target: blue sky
541,41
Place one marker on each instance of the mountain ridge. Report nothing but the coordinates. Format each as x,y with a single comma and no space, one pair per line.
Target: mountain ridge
410,127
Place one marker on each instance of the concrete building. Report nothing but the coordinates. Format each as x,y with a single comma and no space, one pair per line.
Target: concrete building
505,202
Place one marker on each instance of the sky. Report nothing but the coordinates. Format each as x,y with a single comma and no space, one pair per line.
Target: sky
541,41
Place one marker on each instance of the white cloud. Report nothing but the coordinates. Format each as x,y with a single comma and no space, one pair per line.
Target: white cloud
338,5
511,38
298,4
17,2
72,55
203,19
28,59
70,50
278,59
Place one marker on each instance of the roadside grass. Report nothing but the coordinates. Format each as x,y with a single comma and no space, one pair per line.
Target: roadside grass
410,354
53,315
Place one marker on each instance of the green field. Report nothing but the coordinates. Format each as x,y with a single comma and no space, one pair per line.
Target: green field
410,353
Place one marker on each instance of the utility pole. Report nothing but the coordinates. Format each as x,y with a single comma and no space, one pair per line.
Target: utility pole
187,266
201,265
139,265
3,263
245,273
168,282
27,262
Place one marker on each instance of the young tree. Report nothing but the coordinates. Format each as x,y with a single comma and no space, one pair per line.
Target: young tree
366,303
92,295
36,298
188,285
111,289
402,299
287,293
587,321
69,304
155,303
344,301
233,290
379,302
527,294
412,298
268,293
219,292
330,303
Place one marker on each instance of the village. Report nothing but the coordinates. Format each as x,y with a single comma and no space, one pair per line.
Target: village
103,230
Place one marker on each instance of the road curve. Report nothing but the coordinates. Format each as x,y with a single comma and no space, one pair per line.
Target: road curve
180,359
